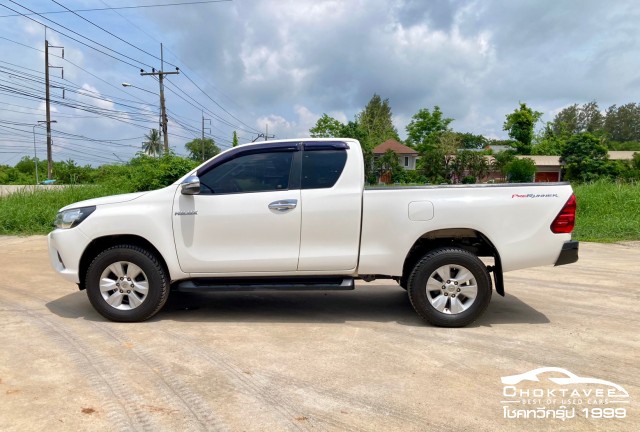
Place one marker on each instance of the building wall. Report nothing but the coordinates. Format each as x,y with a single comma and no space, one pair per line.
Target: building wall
408,162
547,176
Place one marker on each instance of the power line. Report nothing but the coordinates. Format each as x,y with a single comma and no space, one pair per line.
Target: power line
114,114
125,7
79,41
75,65
220,106
107,31
181,61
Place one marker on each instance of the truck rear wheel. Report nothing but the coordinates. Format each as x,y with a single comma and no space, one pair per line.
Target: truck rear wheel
127,283
449,287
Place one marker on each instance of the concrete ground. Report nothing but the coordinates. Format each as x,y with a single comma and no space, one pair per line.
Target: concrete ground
9,189
355,360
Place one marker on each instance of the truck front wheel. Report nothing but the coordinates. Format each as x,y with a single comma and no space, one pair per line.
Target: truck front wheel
449,287
127,283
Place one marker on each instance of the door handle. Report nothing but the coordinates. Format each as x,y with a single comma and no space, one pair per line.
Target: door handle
283,205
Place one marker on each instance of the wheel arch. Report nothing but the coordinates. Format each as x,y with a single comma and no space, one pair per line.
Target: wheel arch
100,244
468,239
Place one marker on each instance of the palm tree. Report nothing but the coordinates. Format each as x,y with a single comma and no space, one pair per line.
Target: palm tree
152,145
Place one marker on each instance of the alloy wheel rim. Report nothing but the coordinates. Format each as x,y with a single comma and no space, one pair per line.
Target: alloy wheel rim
452,289
123,285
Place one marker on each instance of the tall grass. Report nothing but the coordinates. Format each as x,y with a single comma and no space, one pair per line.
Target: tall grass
607,212
32,212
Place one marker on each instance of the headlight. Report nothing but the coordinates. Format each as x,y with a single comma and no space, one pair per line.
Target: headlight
72,218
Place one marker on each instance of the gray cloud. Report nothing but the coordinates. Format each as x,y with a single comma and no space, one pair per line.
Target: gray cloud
287,61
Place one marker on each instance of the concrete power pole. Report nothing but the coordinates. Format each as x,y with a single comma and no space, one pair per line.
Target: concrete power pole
203,128
48,105
163,111
266,133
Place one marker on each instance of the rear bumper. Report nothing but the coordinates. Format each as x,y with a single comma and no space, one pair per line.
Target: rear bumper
569,253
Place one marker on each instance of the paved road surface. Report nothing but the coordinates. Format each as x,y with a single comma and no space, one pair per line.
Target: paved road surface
358,360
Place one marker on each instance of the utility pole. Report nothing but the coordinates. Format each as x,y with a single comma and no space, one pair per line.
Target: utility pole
266,133
48,105
203,128
163,111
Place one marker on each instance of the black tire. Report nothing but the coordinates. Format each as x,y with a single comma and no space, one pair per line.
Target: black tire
468,309
128,259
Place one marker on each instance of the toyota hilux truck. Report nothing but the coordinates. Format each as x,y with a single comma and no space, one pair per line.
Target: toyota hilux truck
295,215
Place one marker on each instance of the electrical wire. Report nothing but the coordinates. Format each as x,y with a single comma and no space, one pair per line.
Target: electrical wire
110,33
128,7
79,41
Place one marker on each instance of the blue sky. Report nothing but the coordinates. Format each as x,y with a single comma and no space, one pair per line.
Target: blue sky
283,63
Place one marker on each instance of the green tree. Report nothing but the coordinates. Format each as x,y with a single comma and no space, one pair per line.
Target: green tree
520,170
436,161
425,127
433,165
576,119
622,123
149,173
469,167
520,124
234,142
69,173
590,119
327,127
389,164
565,123
585,158
548,142
501,161
376,123
352,130
471,141
152,145
22,173
201,150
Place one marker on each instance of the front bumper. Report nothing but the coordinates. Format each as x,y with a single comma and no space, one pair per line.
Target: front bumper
569,253
65,250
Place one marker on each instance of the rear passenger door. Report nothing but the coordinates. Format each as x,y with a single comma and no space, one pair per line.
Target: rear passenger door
331,199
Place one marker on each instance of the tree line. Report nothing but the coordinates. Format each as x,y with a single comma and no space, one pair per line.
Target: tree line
148,169
580,135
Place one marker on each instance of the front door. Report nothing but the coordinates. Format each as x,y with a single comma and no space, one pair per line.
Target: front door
246,218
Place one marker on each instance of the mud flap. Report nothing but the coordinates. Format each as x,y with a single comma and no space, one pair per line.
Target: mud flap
498,280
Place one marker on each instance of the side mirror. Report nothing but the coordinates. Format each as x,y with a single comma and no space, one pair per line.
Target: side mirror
191,185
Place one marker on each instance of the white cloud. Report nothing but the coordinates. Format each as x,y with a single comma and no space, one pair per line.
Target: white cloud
94,97
285,62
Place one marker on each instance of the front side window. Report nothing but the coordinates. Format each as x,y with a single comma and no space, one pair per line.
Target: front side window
258,172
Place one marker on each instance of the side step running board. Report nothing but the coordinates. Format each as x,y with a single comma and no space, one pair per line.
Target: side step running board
265,284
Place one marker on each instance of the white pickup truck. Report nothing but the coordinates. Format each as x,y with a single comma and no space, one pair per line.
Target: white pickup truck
295,215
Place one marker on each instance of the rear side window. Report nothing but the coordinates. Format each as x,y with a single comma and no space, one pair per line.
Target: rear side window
322,168
257,172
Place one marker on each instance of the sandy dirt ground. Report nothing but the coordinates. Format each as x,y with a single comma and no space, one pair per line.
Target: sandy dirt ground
356,360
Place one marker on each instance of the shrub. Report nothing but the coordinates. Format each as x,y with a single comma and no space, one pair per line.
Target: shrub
520,170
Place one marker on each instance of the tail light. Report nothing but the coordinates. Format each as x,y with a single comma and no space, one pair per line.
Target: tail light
566,219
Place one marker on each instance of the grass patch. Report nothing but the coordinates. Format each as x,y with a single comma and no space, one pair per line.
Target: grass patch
607,212
33,212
